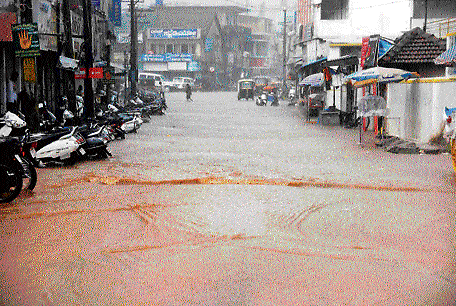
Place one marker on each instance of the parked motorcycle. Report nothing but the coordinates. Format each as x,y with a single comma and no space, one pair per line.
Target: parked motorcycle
10,170
13,126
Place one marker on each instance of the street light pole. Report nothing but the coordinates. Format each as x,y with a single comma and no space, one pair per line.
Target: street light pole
425,14
284,68
89,110
133,53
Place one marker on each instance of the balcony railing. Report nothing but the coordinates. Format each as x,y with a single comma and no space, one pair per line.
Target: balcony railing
442,28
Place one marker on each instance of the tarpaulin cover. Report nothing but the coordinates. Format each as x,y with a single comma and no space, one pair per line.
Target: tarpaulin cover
316,79
447,58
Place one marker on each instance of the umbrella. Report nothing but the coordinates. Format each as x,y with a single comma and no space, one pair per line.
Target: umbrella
316,79
382,74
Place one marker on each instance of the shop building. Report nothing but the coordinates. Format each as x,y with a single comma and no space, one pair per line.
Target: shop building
202,42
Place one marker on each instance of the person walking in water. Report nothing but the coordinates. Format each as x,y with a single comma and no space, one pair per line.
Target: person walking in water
188,91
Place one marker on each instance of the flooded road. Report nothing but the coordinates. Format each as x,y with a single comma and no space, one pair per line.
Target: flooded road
221,202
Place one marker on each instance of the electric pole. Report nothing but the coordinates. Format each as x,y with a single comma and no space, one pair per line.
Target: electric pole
284,68
89,110
425,14
133,52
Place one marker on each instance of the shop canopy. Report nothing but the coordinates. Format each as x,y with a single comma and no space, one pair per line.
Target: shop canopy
381,75
316,79
447,58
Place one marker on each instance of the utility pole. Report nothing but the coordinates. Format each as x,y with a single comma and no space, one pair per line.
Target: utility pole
89,110
134,48
425,14
284,68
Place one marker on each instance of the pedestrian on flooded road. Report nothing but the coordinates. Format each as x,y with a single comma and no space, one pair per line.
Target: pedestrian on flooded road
188,91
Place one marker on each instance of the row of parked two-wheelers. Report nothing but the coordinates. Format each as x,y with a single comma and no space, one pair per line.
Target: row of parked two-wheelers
65,141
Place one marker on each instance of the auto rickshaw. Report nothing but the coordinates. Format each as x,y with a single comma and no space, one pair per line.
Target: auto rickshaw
246,89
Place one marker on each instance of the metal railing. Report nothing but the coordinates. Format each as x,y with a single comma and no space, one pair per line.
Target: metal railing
443,27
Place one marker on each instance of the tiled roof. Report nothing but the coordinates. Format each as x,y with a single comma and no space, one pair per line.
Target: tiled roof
413,47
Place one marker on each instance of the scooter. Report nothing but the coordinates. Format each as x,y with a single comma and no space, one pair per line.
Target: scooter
61,146
262,99
272,98
292,97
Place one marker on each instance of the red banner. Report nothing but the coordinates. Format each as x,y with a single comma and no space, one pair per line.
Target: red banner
364,50
6,20
94,73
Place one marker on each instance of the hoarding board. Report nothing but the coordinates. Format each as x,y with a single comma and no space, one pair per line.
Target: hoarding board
25,39
167,57
173,33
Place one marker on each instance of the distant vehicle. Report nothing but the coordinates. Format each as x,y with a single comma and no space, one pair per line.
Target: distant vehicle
262,81
181,82
151,81
246,89
178,83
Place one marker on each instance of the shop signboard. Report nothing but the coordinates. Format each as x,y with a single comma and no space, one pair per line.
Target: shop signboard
167,57
372,52
209,44
193,66
6,20
94,73
25,39
47,26
28,69
96,4
115,13
173,33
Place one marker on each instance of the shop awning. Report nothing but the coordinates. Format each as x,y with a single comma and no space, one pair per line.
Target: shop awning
447,58
312,64
68,63
316,79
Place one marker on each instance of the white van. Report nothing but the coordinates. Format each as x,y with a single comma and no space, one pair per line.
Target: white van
151,80
181,82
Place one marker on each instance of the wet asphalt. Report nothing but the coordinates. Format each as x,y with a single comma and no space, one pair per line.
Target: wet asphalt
222,202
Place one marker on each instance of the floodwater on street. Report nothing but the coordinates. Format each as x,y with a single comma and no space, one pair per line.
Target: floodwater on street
222,202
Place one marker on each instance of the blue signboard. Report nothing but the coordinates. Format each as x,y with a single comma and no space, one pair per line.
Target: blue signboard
167,57
209,44
96,4
173,33
115,14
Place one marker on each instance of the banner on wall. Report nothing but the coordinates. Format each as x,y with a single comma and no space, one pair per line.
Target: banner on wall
25,39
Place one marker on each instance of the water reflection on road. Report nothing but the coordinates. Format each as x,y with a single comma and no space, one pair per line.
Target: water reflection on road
225,222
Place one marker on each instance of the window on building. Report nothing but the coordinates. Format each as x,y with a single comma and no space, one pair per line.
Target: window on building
334,9
169,48
153,48
184,48
161,49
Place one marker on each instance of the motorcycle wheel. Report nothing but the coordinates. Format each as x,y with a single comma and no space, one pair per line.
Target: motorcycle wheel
29,177
11,179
